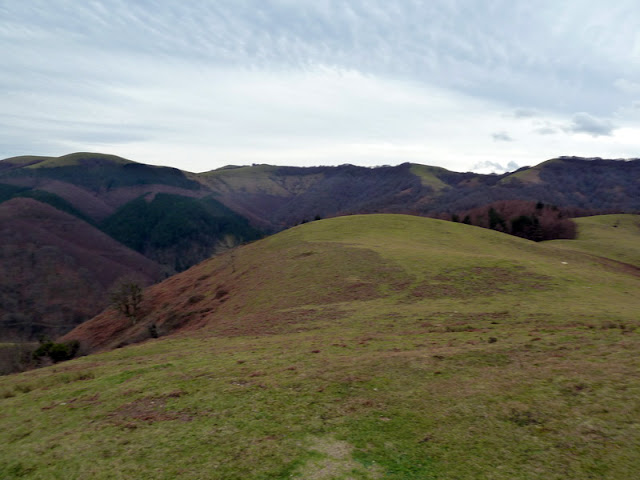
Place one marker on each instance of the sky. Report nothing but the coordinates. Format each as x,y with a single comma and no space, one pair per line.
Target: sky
468,85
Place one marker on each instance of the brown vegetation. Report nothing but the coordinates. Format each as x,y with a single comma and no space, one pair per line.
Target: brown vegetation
531,220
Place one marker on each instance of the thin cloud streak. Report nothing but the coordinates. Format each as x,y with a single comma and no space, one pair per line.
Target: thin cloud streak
501,137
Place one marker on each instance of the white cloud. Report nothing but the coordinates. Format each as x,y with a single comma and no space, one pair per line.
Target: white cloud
488,167
584,123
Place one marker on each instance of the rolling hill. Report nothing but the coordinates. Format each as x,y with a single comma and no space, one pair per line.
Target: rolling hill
613,236
378,346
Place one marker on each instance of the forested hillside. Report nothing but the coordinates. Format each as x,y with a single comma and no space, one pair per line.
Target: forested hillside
278,197
178,231
57,270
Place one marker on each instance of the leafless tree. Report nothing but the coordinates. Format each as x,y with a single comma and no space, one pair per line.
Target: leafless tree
126,297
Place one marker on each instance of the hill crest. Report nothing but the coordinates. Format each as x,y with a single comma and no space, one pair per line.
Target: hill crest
315,271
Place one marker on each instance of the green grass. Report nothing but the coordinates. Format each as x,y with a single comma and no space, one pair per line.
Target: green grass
530,175
258,179
245,178
473,355
245,171
428,176
75,159
610,236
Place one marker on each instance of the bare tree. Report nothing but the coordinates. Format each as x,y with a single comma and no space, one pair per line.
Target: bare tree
126,297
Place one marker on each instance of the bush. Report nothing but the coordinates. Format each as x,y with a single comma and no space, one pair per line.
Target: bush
57,352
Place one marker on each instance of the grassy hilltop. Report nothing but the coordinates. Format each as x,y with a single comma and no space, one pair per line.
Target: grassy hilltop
360,347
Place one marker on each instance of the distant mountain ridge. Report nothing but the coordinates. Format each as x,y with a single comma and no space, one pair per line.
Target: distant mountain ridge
275,197
279,197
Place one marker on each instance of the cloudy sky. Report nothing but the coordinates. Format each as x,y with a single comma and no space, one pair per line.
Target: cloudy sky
464,84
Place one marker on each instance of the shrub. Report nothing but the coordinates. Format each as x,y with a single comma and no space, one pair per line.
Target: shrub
195,298
57,352
153,331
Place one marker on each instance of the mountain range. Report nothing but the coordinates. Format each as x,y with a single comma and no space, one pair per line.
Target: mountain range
74,226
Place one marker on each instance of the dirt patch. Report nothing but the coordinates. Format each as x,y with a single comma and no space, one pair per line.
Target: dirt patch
77,402
616,266
334,460
147,410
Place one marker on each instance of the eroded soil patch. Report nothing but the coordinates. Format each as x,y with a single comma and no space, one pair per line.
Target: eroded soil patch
333,460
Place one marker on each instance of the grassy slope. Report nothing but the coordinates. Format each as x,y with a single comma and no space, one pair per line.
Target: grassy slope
257,178
471,354
612,236
260,180
76,159
265,179
25,160
72,159
530,175
428,176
